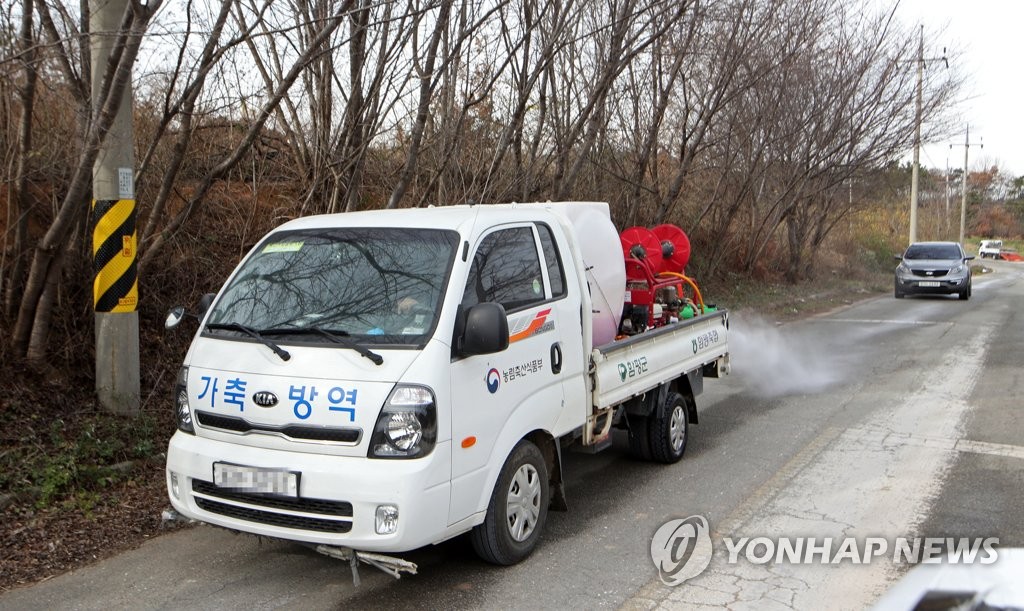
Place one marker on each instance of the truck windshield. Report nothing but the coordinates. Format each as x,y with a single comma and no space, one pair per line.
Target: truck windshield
370,285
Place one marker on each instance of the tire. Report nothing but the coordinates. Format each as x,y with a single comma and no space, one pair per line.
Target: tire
638,438
965,294
669,431
518,508
896,291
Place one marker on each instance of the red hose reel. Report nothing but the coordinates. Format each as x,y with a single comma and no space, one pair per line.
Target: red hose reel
655,277
662,249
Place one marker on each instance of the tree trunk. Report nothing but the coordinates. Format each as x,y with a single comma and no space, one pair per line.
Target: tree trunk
426,75
354,138
26,95
40,336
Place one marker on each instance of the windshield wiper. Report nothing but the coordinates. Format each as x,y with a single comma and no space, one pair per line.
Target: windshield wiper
336,336
234,326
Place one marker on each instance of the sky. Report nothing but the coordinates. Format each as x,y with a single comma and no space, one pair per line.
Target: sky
989,35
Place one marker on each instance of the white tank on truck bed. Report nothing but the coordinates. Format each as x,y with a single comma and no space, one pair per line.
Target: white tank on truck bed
602,257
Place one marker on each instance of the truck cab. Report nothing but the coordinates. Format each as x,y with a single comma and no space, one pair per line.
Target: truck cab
308,379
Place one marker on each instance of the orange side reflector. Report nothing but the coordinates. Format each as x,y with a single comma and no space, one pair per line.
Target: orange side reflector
468,442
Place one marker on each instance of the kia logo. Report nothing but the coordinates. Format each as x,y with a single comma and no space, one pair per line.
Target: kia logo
265,399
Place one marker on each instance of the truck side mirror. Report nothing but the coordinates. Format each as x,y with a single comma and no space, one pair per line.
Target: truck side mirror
178,313
174,317
486,329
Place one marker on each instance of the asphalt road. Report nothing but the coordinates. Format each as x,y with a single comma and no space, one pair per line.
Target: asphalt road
887,419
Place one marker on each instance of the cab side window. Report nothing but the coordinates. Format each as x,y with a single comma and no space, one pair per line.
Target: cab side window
506,269
553,261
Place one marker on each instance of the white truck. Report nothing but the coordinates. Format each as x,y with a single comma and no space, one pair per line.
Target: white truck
370,383
990,248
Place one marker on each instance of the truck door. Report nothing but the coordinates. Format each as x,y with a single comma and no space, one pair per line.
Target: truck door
496,398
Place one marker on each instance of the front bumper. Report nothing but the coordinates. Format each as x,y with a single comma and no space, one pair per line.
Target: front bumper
338,496
923,285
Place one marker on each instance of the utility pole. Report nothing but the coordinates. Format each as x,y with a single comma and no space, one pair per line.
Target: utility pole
114,238
918,103
917,140
963,200
945,219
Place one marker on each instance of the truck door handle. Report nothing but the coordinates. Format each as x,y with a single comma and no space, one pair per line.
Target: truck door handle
556,358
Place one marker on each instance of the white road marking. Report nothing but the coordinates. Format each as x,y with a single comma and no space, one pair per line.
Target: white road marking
1004,450
992,449
882,321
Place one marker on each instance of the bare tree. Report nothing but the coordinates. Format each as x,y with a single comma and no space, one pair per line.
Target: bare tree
314,48
27,56
532,43
32,327
425,61
858,116
183,109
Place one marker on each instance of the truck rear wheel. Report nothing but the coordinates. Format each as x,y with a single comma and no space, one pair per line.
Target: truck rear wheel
668,431
518,508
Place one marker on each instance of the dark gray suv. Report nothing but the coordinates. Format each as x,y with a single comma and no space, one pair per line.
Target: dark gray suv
936,268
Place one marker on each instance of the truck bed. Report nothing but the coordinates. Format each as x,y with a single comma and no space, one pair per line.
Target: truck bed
628,367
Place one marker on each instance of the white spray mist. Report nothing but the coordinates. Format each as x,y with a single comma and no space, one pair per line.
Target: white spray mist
783,360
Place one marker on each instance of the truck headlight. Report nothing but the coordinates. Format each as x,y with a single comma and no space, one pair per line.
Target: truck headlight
182,411
407,425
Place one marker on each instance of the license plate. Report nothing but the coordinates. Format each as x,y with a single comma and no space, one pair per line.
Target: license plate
253,479
928,283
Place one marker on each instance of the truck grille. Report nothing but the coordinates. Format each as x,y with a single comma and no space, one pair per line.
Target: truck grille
274,510
294,431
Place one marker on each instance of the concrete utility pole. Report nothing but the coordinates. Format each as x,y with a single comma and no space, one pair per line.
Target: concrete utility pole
963,199
114,239
917,140
945,219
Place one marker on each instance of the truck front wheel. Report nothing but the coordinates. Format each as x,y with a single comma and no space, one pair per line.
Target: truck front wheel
518,508
669,430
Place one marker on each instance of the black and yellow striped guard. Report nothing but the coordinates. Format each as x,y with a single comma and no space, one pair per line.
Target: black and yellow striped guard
114,248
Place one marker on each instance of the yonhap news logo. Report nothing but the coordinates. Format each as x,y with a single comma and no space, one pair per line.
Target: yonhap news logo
850,550
681,549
